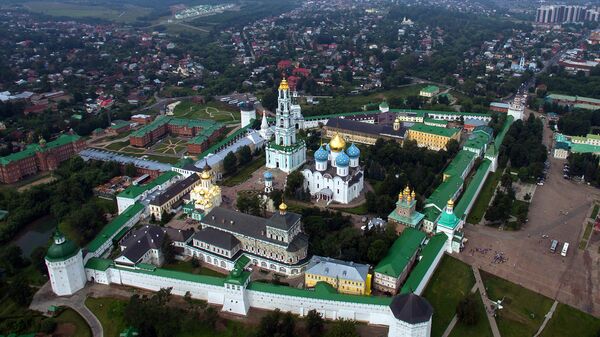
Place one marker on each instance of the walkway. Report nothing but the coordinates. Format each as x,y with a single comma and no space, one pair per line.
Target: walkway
45,298
547,318
486,302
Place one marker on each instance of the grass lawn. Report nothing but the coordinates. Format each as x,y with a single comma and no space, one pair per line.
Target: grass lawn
484,198
82,329
450,283
187,267
524,310
481,329
216,111
162,159
116,146
110,313
132,149
568,321
229,329
245,173
595,212
358,210
127,13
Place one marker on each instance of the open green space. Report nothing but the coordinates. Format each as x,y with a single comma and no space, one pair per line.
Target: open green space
450,283
117,13
245,173
116,146
480,329
70,316
228,329
523,311
485,196
110,313
131,149
216,111
186,267
595,211
361,209
161,159
568,321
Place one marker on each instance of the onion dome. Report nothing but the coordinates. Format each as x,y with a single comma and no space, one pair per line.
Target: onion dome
61,249
284,85
413,194
342,160
205,175
383,105
321,154
268,175
283,207
450,203
337,143
353,151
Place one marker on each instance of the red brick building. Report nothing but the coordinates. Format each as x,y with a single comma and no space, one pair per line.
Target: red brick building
39,157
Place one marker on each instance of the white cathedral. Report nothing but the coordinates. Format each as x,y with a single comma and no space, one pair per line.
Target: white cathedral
285,151
335,174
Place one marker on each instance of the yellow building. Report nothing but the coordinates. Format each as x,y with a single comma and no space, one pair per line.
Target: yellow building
346,277
432,137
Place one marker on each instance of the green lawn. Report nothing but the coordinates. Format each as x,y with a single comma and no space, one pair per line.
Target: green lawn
523,311
116,146
82,329
484,198
116,13
481,329
450,283
230,329
162,159
358,210
568,321
595,212
245,173
216,111
110,313
187,267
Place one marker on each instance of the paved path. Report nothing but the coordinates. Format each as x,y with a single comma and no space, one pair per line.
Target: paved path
547,318
455,318
486,302
44,298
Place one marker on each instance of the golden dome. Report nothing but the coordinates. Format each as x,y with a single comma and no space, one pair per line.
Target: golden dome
450,203
201,192
205,175
282,207
397,120
400,196
413,194
284,85
337,143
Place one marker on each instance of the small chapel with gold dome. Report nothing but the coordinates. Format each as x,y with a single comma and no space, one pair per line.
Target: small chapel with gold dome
405,212
205,196
335,173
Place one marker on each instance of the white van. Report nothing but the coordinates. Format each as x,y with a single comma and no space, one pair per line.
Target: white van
565,249
553,246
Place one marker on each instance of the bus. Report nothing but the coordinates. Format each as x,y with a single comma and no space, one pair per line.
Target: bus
565,249
553,246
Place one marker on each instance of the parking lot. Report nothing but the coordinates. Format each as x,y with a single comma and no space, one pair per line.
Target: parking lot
557,211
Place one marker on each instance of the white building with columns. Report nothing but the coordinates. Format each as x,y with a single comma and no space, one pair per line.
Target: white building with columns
335,174
285,152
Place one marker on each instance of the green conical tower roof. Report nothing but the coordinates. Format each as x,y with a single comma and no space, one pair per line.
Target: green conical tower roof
61,249
448,218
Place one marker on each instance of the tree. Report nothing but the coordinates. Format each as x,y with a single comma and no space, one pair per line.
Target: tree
377,250
466,311
452,147
19,291
230,163
48,325
294,184
11,259
276,196
342,328
168,250
250,204
244,155
314,323
130,170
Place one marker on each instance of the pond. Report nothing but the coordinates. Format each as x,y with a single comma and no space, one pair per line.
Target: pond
35,234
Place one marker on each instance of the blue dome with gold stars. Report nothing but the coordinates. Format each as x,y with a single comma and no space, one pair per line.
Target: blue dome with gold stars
342,159
353,151
321,154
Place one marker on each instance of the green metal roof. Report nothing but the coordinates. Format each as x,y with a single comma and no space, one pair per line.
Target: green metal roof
431,213
471,190
399,255
115,226
445,132
477,141
61,251
428,255
500,137
321,291
31,149
225,141
445,191
419,113
177,275
436,121
431,88
98,264
135,191
459,164
584,148
448,220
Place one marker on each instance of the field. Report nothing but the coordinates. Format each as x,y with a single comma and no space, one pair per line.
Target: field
110,313
125,13
568,321
481,329
170,145
523,311
70,316
484,198
245,173
450,283
216,111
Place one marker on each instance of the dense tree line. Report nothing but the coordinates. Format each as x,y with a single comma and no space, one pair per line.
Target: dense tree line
523,147
559,81
69,200
579,122
586,165
397,166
